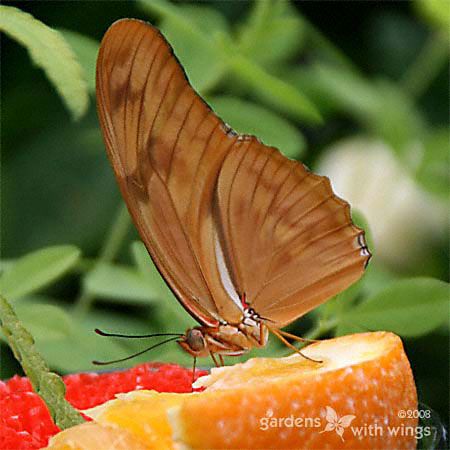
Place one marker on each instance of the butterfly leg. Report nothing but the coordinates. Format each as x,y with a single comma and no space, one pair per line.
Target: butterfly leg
214,359
222,363
193,373
296,338
288,344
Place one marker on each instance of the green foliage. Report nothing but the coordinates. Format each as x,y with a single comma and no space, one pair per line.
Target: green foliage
50,51
379,106
249,118
272,34
436,12
208,56
45,322
433,162
188,29
47,384
408,307
38,269
86,50
122,284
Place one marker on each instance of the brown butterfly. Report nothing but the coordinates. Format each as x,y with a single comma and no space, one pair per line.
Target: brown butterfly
247,239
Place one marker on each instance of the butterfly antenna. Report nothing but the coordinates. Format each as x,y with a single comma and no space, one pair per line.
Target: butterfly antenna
104,363
135,336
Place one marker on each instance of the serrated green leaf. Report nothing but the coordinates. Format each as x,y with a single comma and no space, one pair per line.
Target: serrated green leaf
119,284
249,118
38,269
45,322
49,50
48,385
409,307
86,50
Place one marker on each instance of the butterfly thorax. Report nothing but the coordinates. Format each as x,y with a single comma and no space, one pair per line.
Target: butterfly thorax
226,339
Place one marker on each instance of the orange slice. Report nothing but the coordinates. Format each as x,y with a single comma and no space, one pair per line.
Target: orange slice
354,399
91,435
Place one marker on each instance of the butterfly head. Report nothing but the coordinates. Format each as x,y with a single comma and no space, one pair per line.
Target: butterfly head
194,342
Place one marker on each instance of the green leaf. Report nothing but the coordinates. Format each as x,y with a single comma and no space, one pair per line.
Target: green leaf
376,278
78,349
49,50
409,307
119,284
75,351
433,171
38,269
48,385
217,50
305,79
193,31
45,322
61,210
345,328
169,312
272,34
86,50
148,270
437,12
250,118
380,106
335,308
271,89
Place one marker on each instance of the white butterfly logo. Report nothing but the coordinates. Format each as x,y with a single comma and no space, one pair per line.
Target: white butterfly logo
336,423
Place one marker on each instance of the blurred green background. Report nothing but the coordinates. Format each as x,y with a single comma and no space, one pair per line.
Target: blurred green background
356,90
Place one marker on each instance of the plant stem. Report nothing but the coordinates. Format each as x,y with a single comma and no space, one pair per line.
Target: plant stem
108,252
48,385
424,69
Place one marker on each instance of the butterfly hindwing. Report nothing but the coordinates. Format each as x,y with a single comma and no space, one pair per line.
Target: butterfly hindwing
292,240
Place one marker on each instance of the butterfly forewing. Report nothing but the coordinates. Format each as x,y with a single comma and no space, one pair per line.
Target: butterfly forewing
166,148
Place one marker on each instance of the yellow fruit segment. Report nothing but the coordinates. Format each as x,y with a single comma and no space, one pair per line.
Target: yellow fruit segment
353,399
96,437
143,413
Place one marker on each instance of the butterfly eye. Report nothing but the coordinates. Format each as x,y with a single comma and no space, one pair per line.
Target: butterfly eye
195,340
